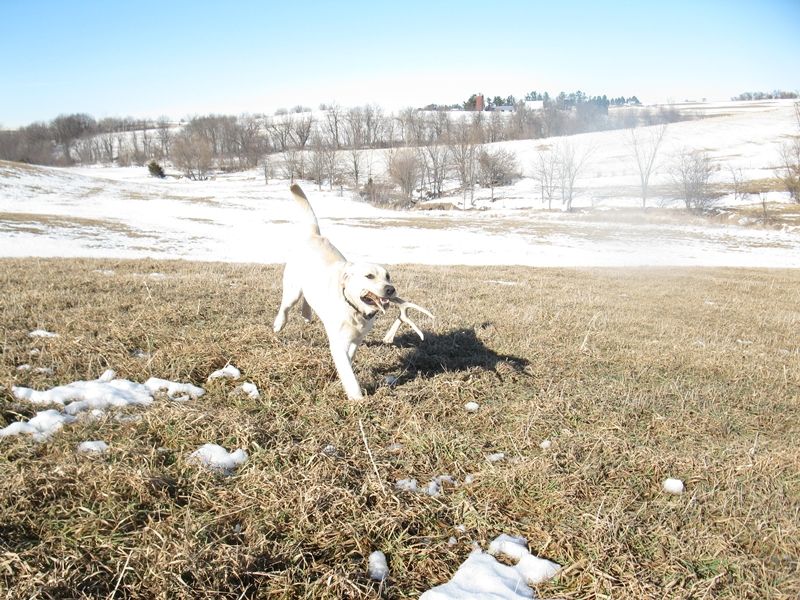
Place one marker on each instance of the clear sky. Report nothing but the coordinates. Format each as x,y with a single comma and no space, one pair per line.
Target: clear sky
178,58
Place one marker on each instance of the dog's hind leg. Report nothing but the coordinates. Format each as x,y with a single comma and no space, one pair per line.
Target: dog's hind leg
305,310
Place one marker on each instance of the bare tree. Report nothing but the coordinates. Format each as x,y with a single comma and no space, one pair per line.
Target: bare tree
107,147
192,154
354,164
690,172
545,172
373,125
789,170
333,122
571,161
290,164
301,129
68,128
737,178
435,162
164,135
462,145
496,167
280,132
266,168
317,159
247,141
644,147
404,170
333,165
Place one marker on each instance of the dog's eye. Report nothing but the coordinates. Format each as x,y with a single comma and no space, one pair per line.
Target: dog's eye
370,276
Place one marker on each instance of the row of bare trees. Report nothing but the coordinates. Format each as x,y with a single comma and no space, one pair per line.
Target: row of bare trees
557,169
238,141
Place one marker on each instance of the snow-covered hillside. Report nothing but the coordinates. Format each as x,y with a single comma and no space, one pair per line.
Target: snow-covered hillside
122,212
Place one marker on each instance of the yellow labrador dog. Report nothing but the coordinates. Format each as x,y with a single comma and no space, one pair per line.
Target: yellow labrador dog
346,296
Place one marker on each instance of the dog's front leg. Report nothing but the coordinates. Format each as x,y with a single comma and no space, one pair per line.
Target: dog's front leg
340,351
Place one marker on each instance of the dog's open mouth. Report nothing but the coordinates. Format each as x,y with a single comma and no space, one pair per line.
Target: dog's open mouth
373,300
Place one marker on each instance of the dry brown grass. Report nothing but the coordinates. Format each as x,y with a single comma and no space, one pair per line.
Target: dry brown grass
634,375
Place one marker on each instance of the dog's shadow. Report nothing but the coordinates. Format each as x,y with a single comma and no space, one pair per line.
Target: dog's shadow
454,351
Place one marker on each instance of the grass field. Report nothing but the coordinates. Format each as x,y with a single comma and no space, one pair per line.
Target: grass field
634,375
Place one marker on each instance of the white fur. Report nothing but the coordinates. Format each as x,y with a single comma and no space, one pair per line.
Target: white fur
345,296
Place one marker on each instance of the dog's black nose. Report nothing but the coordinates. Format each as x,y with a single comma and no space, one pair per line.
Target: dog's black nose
389,290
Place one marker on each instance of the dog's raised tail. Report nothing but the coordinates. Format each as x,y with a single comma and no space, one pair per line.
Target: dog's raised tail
302,201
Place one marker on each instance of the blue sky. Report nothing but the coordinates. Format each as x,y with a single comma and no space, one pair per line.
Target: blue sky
179,58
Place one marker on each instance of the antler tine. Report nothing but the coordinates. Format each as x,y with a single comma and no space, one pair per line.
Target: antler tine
404,318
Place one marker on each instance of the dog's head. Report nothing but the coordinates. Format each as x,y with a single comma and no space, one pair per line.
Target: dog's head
367,287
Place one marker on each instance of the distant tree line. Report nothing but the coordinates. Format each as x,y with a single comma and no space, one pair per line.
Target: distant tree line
239,142
776,95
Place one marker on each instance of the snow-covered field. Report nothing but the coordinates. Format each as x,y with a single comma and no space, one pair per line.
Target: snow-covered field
123,212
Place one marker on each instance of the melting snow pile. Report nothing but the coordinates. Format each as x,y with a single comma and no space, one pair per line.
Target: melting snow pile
41,333
93,396
377,568
104,392
93,447
251,390
228,372
41,427
673,486
217,458
434,487
482,576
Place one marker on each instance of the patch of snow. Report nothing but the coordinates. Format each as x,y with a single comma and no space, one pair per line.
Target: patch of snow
83,395
107,376
376,566
41,427
501,282
545,445
217,458
496,457
41,333
673,486
92,447
471,407
251,390
434,487
173,388
228,372
44,370
406,485
481,576
25,367
534,569
35,352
